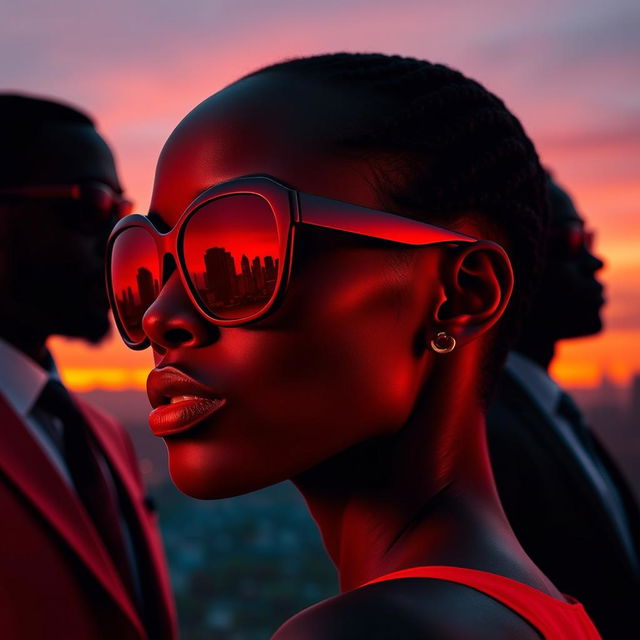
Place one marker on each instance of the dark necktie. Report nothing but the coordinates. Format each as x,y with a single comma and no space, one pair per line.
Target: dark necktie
90,481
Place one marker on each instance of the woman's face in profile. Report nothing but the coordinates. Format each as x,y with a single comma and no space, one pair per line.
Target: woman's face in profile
342,358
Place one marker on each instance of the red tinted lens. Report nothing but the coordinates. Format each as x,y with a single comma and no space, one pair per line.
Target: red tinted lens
575,240
232,255
135,278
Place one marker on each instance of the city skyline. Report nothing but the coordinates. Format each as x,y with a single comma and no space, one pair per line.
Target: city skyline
220,285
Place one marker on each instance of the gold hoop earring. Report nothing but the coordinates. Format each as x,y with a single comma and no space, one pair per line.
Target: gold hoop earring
443,343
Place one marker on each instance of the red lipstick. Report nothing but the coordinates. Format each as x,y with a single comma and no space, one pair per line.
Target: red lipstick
179,401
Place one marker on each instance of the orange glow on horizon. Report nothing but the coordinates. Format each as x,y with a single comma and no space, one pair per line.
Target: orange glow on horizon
576,104
579,363
569,373
109,379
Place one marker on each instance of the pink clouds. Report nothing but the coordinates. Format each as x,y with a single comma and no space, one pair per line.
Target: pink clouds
568,69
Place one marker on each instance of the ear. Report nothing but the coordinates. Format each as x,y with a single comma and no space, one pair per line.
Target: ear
477,285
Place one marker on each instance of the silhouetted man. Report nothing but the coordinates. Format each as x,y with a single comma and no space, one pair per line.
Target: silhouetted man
80,555
566,499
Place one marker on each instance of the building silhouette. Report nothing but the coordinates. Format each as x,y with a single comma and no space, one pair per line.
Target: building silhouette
146,289
270,270
257,272
219,270
219,285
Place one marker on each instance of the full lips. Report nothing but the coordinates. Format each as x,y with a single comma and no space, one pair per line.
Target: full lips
171,419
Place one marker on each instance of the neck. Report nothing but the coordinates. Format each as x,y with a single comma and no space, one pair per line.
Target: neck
424,495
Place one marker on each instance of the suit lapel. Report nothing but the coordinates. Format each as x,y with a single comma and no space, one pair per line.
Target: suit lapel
130,483
32,473
628,498
556,446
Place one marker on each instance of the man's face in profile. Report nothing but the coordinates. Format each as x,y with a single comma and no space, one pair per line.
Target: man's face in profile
52,267
571,297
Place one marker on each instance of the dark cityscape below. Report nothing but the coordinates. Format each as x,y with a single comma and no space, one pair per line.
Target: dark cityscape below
242,566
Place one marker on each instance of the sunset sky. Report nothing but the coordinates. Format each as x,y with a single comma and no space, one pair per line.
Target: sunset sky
569,69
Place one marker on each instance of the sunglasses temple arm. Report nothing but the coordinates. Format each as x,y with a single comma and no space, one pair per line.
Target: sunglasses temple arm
342,216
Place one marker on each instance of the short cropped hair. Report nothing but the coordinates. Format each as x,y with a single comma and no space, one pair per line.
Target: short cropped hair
22,122
460,152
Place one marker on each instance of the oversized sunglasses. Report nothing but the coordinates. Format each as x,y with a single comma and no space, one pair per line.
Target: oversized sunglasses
233,247
97,197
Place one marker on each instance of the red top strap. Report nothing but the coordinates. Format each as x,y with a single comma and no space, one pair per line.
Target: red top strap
554,619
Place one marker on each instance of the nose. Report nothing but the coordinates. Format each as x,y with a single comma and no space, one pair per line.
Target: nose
592,262
172,321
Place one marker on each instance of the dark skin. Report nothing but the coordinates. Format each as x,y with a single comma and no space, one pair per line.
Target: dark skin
52,251
569,288
337,389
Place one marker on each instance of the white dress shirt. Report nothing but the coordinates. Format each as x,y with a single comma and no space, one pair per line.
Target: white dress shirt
21,383
545,392
22,380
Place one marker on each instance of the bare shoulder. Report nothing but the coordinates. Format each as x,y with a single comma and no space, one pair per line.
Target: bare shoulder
408,609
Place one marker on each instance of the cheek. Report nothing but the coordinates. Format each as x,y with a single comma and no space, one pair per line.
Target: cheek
364,346
302,400
328,371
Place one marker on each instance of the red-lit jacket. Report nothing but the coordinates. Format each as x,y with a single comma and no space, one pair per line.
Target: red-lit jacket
56,578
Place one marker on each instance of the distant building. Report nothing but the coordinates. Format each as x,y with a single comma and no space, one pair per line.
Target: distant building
219,274
257,273
270,272
248,283
146,289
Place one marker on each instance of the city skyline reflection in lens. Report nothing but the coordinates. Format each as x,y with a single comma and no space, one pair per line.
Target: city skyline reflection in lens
135,278
231,252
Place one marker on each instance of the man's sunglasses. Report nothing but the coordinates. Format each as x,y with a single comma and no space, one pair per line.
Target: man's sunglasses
95,197
233,249
569,240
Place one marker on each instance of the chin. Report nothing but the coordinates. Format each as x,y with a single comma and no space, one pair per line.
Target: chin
583,327
192,488
199,473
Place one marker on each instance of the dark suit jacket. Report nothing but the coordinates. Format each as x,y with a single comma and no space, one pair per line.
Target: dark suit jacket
56,578
558,515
